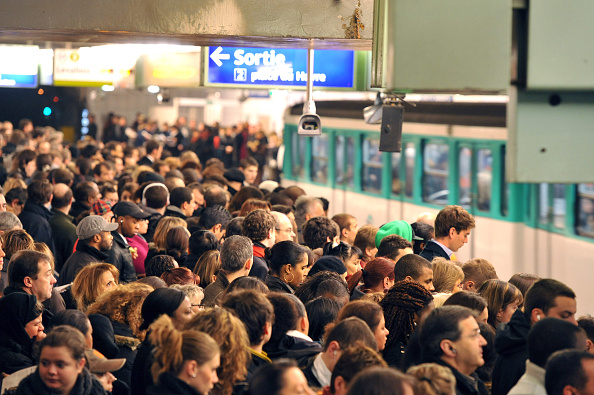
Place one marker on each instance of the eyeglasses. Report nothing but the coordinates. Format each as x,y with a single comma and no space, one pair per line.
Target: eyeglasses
288,230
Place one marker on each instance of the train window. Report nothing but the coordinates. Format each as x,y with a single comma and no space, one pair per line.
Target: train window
319,159
435,173
350,162
543,204
396,177
410,153
552,205
340,160
372,166
505,188
559,206
485,179
297,154
585,210
465,177
345,159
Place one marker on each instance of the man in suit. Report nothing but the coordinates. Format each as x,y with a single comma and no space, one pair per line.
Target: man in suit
153,153
452,228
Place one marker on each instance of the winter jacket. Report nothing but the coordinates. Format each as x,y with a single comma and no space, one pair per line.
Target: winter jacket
275,284
433,250
34,218
86,384
120,257
83,256
64,234
171,385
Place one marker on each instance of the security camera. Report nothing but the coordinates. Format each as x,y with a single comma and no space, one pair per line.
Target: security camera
310,125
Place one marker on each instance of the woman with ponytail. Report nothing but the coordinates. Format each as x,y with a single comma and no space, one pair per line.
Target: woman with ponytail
378,276
185,362
405,306
288,262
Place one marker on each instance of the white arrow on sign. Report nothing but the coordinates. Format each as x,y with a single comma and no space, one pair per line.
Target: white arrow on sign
216,56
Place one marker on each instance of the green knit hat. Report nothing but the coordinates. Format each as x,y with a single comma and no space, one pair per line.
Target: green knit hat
400,228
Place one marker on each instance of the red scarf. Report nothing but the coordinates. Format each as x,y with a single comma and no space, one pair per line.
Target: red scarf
258,251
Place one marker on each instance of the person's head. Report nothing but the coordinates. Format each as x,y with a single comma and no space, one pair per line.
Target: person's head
242,195
447,276
9,221
284,228
202,241
123,304
163,227
307,207
95,231
25,162
249,167
14,241
325,283
215,219
76,319
230,334
570,372
348,227
234,227
237,255
473,301
177,241
400,228
550,298
424,231
259,226
587,324
318,231
207,267
452,334
523,281
365,240
215,196
352,361
39,192
180,275
128,216
183,198
189,355
350,332
171,302
372,314
159,264
502,298
155,195
433,379
154,149
286,315
476,272
288,261
328,263
32,272
377,276
246,283
452,227
253,204
15,199
415,268
61,358
321,312
21,315
394,247
92,281
551,334
255,311
280,377
86,193
194,293
62,196
381,381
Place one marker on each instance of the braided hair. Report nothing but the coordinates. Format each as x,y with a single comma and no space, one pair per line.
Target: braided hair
400,304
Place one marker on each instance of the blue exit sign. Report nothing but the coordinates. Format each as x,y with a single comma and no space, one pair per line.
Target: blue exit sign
270,67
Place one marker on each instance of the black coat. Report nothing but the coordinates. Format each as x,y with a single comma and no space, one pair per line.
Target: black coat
15,344
144,161
86,384
77,208
83,256
120,257
103,336
64,234
171,385
275,284
432,250
294,348
35,220
141,369
512,348
128,347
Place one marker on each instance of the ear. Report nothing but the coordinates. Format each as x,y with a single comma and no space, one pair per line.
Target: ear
272,234
333,347
589,345
569,390
217,228
28,282
386,282
452,233
344,233
340,386
469,286
447,348
409,278
248,264
303,324
267,328
537,315
80,365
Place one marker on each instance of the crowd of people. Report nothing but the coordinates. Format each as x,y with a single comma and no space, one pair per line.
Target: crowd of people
139,267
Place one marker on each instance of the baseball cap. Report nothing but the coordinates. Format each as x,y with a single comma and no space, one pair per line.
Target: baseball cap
92,225
97,363
129,208
101,207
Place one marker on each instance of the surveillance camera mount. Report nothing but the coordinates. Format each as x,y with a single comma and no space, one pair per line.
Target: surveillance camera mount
309,123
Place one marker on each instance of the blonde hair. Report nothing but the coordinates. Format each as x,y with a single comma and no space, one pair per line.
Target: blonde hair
188,156
190,290
208,265
231,336
445,275
139,170
163,227
174,347
16,240
40,246
86,285
173,162
123,304
433,379
12,183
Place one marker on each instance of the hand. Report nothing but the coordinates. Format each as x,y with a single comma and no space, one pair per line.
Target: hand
133,252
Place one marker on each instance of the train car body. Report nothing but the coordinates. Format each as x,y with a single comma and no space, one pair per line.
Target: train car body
452,153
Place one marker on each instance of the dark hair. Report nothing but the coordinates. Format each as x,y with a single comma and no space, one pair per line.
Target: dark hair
214,196
542,295
180,195
64,336
242,195
159,264
62,176
442,323
234,227
258,224
160,301
281,208
452,217
368,311
177,242
152,145
285,317
391,245
294,192
83,190
88,151
202,241
153,281
18,194
279,199
587,324
318,230
400,304
328,284
155,196
350,332
374,273
549,335
61,201
39,192
270,378
352,361
253,309
499,294
410,265
380,381
245,283
523,281
342,250
423,230
214,215
74,318
471,300
566,368
321,312
285,253
23,264
24,157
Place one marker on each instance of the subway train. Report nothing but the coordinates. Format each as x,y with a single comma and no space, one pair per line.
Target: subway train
453,152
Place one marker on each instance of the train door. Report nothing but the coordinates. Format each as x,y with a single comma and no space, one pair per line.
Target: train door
475,177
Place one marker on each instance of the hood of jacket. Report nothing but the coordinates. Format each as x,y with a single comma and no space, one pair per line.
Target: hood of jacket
514,336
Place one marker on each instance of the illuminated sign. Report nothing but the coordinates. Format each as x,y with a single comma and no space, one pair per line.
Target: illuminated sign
18,66
175,70
279,67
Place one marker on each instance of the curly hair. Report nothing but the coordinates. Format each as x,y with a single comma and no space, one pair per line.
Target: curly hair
86,286
231,336
257,225
433,379
401,303
124,305
16,240
163,227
